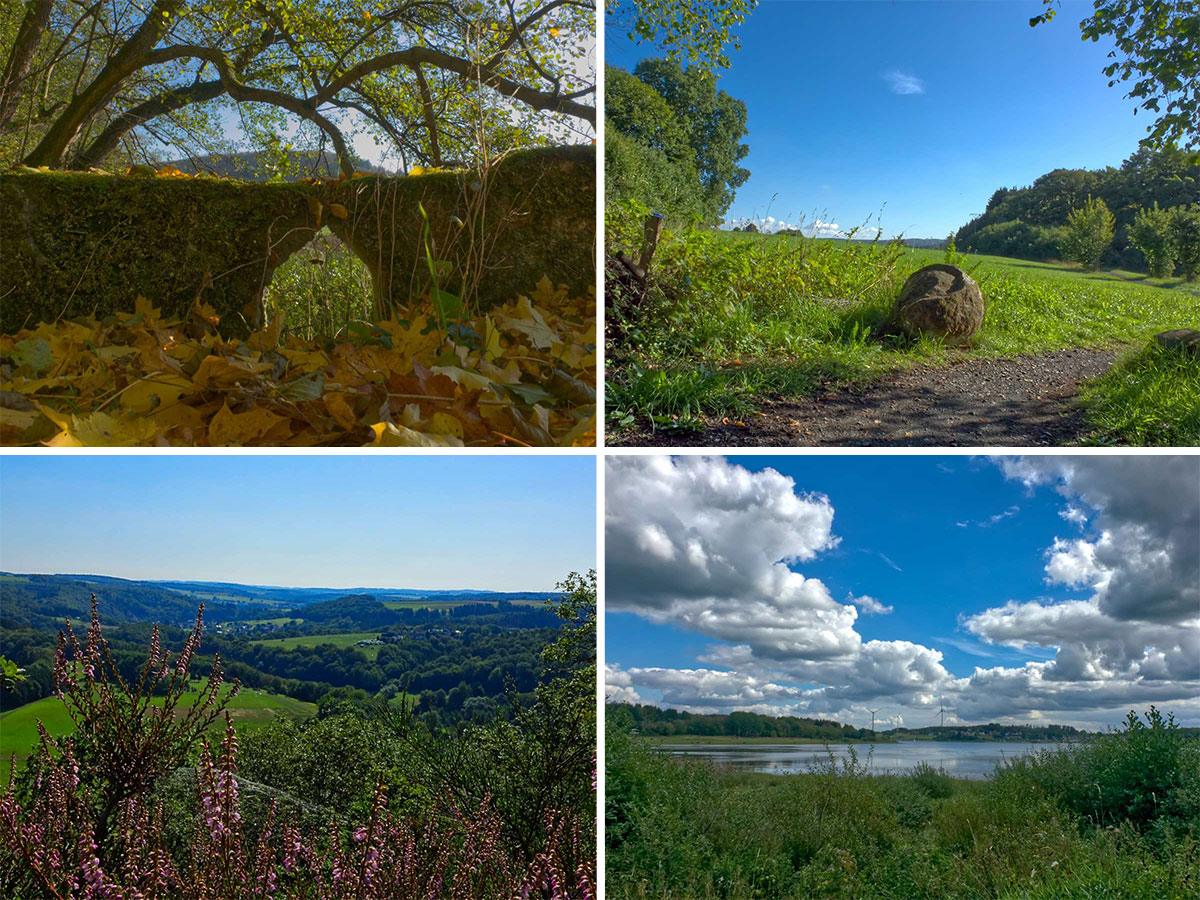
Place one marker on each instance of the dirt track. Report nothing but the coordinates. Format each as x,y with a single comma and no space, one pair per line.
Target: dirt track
1027,401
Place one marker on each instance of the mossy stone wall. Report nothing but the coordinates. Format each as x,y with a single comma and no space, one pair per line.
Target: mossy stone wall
78,243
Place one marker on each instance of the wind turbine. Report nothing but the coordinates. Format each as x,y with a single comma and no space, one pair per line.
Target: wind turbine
872,712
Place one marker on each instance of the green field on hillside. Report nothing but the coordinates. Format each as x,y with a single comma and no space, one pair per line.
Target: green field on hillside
982,265
18,727
338,640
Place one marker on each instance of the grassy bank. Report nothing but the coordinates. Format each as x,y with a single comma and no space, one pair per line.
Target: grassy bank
733,319
1118,817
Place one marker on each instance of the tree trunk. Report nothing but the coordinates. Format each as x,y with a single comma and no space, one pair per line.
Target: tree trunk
20,60
104,86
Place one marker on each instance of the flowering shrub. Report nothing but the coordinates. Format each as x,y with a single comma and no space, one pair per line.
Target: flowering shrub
86,829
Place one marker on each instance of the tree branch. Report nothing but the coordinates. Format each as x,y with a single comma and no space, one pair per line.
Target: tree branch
86,105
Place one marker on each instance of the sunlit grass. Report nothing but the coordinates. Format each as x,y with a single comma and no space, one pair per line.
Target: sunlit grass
1151,398
736,318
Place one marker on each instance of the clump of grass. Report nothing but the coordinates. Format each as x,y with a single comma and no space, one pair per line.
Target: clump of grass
1151,398
321,288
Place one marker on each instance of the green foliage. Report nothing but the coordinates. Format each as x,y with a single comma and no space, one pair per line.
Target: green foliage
683,829
645,177
1156,42
1020,240
1145,774
639,112
714,122
673,141
1151,232
1089,233
321,289
10,674
691,31
1165,177
83,83
1185,233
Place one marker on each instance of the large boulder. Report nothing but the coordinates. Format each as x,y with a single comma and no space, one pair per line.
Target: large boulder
941,301
1185,340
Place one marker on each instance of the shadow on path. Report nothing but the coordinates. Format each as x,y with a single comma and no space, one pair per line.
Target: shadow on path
1023,402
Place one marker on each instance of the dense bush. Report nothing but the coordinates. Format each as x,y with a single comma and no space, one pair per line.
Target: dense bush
645,175
1146,774
1020,240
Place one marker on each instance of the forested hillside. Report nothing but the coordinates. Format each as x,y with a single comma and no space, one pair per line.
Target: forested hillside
358,646
1029,222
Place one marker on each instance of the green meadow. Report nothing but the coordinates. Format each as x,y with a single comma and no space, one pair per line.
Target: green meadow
18,727
348,639
733,319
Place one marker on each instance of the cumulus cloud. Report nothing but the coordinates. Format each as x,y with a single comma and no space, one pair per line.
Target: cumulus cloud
706,544
713,548
903,83
869,606
1145,551
816,228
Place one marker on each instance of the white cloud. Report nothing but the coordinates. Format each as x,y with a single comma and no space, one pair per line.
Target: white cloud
1074,515
817,228
869,606
721,559
1145,552
903,83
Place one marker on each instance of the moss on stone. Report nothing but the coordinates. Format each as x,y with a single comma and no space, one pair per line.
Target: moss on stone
81,243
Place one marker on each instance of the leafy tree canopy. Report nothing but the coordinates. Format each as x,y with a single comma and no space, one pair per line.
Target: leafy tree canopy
435,80
715,123
692,31
1158,52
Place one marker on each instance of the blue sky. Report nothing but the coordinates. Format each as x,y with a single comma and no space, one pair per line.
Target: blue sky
473,522
1051,588
927,107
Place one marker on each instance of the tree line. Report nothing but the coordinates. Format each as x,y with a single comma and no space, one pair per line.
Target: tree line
1143,215
654,721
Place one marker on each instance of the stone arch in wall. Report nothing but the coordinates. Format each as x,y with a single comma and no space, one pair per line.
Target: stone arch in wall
80,243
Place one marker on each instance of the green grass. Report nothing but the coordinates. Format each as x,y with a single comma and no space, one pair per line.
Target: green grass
279,620
18,727
736,318
1150,398
1118,817
338,640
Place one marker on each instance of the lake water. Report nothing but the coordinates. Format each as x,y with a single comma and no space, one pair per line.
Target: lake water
956,758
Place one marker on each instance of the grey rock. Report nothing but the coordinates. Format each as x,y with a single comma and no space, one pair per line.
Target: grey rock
941,301
1185,339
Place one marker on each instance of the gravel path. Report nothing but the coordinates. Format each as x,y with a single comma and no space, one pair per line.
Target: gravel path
1027,401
